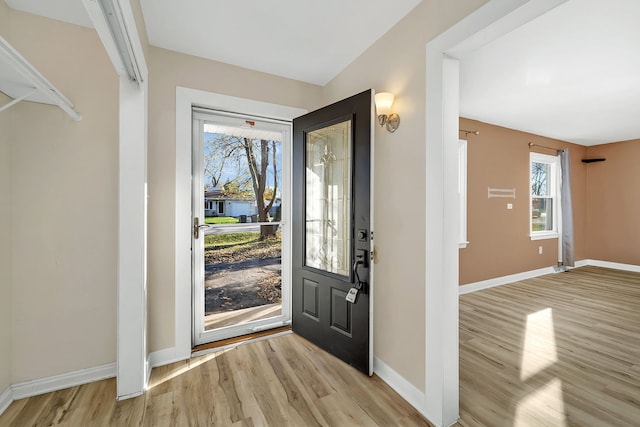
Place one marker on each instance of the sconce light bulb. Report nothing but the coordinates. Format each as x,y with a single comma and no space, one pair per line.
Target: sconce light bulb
384,100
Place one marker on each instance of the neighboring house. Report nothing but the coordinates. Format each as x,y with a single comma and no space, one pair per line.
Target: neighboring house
216,203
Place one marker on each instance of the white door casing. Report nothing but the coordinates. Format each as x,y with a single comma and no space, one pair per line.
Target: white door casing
186,99
489,22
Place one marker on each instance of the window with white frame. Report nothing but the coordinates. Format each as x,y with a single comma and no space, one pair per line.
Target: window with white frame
544,180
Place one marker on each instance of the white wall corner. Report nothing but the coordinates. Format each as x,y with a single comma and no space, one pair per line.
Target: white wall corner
583,263
148,369
132,186
164,357
132,239
404,388
62,381
6,398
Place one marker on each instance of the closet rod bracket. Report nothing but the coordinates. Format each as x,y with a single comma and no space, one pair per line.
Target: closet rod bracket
15,101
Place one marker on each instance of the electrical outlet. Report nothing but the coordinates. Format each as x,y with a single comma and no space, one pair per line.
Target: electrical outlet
539,250
509,205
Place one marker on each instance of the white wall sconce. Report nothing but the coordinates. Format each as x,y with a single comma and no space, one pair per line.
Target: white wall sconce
384,100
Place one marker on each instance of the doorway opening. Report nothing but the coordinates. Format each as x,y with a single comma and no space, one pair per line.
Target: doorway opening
240,241
442,228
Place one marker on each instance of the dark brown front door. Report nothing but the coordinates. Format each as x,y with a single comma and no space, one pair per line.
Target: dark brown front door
331,228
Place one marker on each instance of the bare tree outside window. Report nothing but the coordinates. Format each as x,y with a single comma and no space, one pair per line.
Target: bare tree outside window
540,179
245,167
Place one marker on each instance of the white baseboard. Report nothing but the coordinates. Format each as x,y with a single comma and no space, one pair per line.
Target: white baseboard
58,382
499,281
613,265
6,398
404,388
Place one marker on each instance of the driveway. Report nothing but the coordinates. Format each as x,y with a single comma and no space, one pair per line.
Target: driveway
230,228
233,286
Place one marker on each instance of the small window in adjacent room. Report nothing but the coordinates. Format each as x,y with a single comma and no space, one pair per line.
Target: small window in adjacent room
544,196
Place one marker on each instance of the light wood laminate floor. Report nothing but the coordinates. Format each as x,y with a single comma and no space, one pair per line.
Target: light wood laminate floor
558,350
283,381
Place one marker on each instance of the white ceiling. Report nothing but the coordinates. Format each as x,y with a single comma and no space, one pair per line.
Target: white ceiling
306,40
571,74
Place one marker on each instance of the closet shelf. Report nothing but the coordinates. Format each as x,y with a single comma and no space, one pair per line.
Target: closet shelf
22,82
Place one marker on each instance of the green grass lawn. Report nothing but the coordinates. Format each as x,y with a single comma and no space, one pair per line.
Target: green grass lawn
221,220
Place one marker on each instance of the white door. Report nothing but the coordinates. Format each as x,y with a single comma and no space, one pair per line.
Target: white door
241,254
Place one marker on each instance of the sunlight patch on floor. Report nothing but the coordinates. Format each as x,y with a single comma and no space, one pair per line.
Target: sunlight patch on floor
179,368
542,407
539,350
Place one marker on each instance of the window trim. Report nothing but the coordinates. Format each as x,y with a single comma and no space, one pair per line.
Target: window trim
554,161
462,193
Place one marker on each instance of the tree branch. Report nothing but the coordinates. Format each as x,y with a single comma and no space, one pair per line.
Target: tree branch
275,177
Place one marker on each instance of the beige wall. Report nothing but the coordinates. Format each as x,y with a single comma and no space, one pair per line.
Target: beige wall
499,238
5,226
168,69
613,205
5,12
5,244
64,205
396,63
